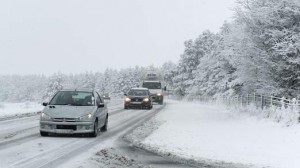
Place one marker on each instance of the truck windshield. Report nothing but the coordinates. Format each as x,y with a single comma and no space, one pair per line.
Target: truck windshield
152,85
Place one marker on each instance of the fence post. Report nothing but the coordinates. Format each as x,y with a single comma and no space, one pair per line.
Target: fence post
282,102
297,109
247,100
255,100
293,104
241,100
271,101
262,101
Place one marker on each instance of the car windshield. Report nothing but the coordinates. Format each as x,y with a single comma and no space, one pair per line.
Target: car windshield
152,85
138,93
75,98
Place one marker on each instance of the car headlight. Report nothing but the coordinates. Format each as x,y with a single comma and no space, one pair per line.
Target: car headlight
127,99
158,94
85,117
146,99
45,116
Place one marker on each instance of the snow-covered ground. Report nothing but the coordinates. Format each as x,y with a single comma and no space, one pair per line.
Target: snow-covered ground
212,135
18,109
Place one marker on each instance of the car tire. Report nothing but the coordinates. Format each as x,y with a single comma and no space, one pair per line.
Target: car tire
95,132
44,133
126,107
104,127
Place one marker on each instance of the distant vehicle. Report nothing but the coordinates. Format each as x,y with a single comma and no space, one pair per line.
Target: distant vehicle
138,98
106,96
74,112
155,87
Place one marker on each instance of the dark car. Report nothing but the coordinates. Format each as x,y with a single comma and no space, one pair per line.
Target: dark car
74,112
138,98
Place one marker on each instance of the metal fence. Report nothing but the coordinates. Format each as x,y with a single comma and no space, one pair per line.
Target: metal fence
281,109
258,100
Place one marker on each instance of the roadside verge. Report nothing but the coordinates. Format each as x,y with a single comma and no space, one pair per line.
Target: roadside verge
211,136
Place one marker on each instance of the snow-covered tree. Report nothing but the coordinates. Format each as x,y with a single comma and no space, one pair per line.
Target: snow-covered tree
55,84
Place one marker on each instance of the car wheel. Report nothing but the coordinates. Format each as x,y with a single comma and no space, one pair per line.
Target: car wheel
44,133
126,107
104,127
95,132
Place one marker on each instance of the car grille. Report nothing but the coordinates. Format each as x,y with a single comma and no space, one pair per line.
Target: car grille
136,99
72,127
64,119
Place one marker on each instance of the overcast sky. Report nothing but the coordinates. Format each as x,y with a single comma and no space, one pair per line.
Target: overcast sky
73,36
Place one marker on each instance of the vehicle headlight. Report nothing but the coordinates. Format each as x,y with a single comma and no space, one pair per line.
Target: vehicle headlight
86,117
127,99
158,94
45,116
146,99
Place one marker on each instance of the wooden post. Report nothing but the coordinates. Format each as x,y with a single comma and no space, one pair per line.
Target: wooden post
262,101
282,102
271,101
247,99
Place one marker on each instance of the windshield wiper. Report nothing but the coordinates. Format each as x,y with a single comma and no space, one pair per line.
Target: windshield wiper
74,104
70,104
57,104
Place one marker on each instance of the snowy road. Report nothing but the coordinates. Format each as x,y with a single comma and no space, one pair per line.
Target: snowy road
22,146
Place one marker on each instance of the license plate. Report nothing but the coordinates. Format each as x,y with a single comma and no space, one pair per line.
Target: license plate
63,131
136,103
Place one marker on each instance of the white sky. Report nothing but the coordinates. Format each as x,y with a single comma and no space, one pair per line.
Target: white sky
73,36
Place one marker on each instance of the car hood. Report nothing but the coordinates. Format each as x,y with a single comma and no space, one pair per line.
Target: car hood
68,111
132,96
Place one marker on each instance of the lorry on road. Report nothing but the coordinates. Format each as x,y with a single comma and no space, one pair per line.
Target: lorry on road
155,87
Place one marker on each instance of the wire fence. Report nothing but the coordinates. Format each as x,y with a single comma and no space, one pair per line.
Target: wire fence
260,101
279,108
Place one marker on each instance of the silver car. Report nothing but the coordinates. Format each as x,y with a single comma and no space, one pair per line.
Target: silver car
74,112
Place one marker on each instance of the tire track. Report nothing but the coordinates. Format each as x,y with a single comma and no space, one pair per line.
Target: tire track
10,141
56,156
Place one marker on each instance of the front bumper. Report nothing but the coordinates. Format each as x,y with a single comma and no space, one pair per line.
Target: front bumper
137,105
156,98
66,127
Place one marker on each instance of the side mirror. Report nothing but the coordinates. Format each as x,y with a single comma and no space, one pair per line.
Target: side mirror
44,103
165,88
101,105
125,94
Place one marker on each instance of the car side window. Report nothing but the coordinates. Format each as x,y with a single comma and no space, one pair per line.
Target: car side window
98,99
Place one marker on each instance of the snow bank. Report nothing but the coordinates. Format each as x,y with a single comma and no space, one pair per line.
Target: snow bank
211,135
18,109
286,115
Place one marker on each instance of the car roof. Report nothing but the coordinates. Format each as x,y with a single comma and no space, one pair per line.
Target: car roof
140,88
80,90
151,81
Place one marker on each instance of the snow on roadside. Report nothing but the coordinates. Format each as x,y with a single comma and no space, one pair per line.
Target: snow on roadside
8,110
211,135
